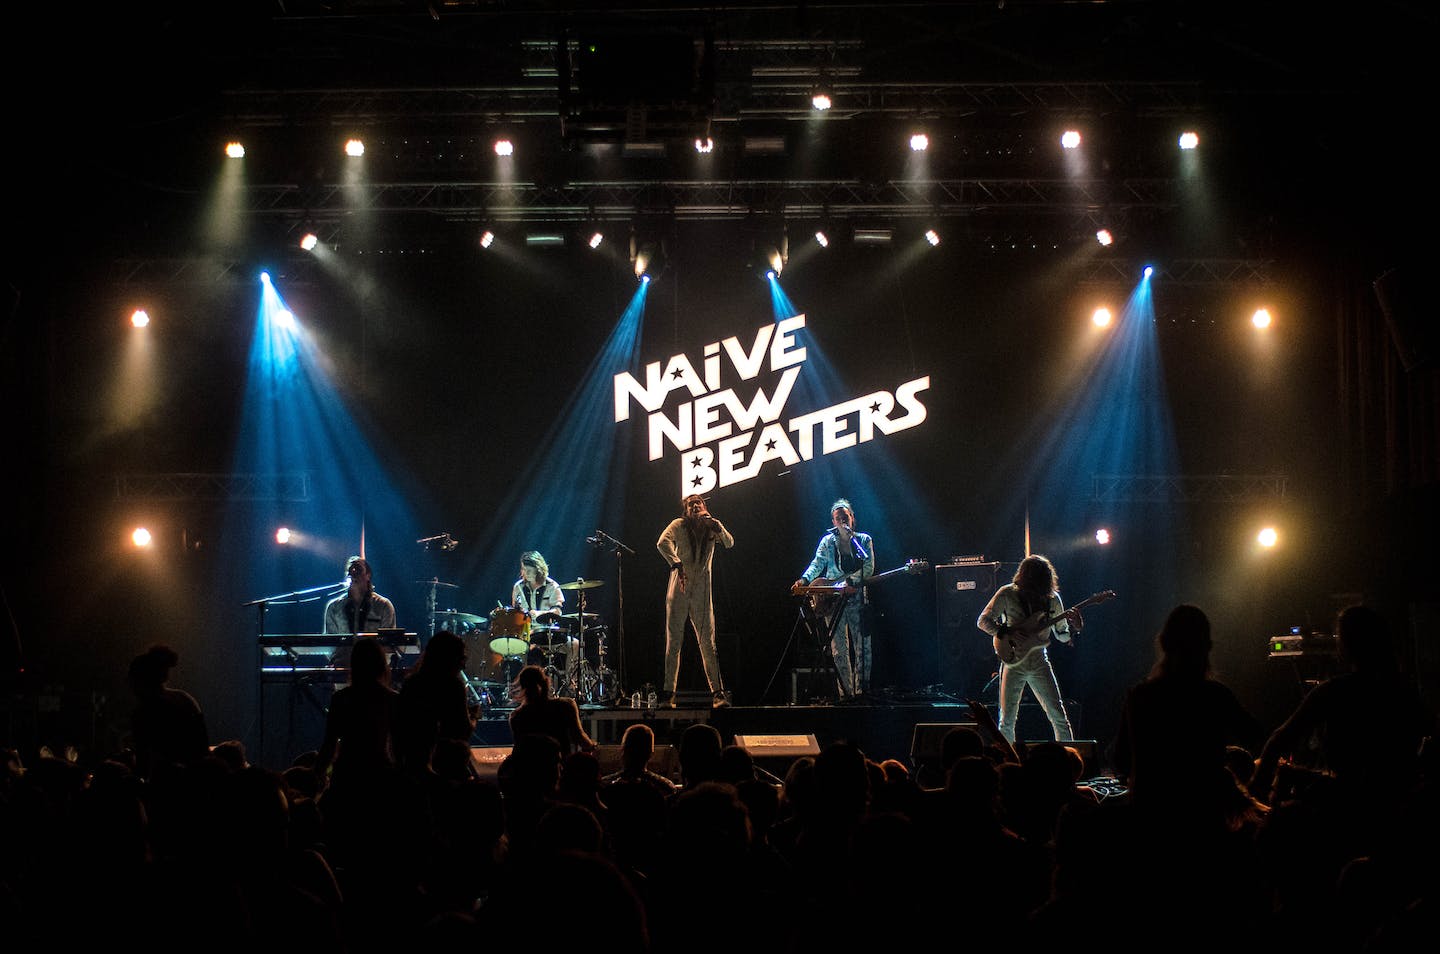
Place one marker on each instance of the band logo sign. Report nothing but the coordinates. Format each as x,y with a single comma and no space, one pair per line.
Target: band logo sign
722,437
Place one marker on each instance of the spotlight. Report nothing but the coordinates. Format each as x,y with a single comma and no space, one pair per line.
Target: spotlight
932,236
1070,139
770,274
820,98
1189,140
1102,536
1149,270
873,236
354,147
308,241
487,239
282,536
1101,317
644,279
504,147
919,142
264,278
1261,318
234,150
1267,537
140,318
704,144
545,239
776,260
140,537
596,239
642,262
822,239
285,317
1104,237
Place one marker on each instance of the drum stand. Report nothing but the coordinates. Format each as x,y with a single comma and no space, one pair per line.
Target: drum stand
584,675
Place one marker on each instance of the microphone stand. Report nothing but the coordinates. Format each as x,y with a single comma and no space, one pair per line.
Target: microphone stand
262,604
619,549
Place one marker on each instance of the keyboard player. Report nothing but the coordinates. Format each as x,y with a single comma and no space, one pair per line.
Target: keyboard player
360,609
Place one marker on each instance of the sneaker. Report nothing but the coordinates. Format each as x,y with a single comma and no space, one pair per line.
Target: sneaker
721,701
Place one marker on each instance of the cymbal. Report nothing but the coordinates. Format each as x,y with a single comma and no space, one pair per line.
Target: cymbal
458,617
576,616
453,586
582,584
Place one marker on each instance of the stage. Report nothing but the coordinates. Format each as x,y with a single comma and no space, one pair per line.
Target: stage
777,735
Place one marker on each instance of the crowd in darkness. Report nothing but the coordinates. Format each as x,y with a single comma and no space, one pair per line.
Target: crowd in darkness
1319,835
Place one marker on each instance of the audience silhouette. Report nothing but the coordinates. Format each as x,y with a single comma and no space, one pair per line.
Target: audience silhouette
1332,848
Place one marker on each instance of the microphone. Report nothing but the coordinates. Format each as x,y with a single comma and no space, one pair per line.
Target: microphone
595,541
449,543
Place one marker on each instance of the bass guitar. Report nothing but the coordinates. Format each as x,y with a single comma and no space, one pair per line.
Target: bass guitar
822,594
1033,632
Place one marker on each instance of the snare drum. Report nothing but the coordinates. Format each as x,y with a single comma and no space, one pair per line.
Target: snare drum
509,631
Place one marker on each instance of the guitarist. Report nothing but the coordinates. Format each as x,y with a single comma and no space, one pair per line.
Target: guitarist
845,554
1018,608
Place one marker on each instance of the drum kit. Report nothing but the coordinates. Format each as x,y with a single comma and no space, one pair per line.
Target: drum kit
508,638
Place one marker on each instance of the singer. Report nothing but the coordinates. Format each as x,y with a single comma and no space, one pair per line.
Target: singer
688,546
845,553
360,609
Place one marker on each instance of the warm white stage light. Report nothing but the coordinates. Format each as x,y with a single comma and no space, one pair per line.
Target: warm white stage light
140,318
704,144
1102,536
820,100
822,239
308,241
1268,537
140,537
282,535
932,236
1189,140
776,260
355,148
596,239
1261,318
919,142
487,239
1102,317
1070,139
1104,237
642,263
504,147
234,150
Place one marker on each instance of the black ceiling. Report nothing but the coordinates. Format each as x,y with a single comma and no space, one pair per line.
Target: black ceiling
1305,114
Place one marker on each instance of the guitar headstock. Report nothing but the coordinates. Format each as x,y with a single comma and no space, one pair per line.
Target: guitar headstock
1104,595
916,566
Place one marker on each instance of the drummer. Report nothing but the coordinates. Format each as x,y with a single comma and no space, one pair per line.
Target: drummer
535,593
540,598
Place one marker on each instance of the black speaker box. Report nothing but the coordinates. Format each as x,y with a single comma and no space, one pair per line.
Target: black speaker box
665,761
966,655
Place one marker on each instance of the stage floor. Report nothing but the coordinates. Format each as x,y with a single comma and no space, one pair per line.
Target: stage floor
881,731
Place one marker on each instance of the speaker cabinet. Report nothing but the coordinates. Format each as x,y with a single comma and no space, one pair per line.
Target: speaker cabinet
665,760
967,657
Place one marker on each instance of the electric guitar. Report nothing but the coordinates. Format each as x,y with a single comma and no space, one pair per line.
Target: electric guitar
822,595
1033,632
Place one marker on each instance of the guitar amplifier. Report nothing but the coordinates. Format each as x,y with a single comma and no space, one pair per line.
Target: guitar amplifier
966,655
